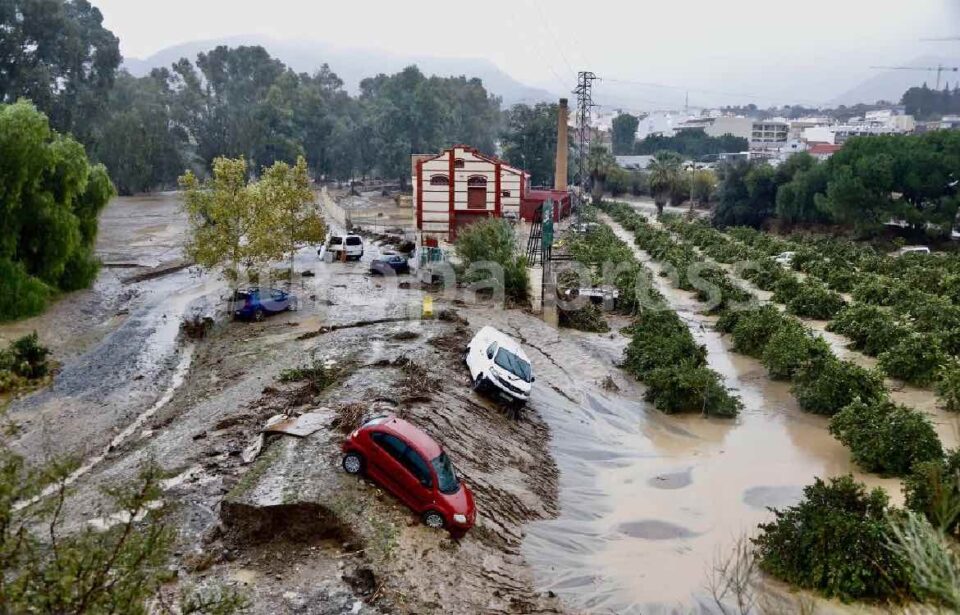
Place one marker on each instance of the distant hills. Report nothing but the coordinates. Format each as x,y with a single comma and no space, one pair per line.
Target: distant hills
891,84
352,65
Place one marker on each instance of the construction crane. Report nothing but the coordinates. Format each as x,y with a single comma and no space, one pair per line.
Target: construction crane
939,68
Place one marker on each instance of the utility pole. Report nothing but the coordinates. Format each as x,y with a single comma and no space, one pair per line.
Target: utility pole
584,94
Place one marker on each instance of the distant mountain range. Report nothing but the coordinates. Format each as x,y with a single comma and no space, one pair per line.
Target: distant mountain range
891,84
352,65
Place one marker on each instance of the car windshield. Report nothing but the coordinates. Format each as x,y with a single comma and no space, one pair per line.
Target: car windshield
513,364
353,241
447,480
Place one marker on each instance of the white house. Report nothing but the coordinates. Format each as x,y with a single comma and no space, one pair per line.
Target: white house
460,186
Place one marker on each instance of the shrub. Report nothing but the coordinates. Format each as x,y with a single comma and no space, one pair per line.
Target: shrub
588,318
886,438
765,274
792,348
870,329
948,386
754,329
813,300
786,289
835,542
21,295
933,489
826,387
29,358
882,291
689,388
493,240
661,340
916,359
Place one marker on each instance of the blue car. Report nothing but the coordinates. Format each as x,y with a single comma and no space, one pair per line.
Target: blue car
256,304
385,264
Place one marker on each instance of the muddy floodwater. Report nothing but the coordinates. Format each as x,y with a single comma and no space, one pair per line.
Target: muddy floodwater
648,501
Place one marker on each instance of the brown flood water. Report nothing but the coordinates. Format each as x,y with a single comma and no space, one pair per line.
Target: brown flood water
649,500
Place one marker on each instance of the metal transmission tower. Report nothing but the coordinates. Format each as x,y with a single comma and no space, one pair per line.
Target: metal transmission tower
584,94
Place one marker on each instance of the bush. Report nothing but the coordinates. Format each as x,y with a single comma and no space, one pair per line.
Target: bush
791,349
948,387
786,289
933,489
689,388
813,300
492,240
661,340
754,329
916,359
29,358
870,329
765,274
588,318
886,438
21,295
826,387
835,542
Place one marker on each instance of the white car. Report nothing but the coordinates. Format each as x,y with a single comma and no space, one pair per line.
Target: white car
498,363
785,259
913,250
352,245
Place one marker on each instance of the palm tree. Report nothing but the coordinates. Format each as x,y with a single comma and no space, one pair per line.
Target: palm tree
599,163
665,177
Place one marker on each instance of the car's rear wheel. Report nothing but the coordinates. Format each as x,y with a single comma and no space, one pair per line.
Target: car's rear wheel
479,383
353,463
465,354
434,520
259,314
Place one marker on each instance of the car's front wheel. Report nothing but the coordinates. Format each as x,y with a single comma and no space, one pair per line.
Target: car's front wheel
259,314
353,463
434,520
479,383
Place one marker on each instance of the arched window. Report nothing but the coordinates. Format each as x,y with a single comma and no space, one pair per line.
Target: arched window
477,180
439,180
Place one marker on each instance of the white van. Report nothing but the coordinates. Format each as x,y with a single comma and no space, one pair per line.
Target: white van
338,244
498,363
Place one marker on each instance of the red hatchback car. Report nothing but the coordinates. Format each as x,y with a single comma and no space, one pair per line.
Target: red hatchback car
410,465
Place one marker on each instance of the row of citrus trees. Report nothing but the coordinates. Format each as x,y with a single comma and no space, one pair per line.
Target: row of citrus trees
838,539
914,334
662,353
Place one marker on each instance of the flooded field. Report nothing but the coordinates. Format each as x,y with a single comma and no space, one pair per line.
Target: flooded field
649,501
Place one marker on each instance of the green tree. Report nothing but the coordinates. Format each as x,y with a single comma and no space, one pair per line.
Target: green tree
664,175
747,194
50,198
529,141
141,146
703,185
624,133
228,224
284,193
57,54
600,163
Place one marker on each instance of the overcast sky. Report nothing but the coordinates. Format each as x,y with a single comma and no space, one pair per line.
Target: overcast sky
806,51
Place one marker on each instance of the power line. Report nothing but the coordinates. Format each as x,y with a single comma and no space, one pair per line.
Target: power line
585,104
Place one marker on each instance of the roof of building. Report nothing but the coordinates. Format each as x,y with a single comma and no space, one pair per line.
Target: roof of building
824,148
475,152
542,194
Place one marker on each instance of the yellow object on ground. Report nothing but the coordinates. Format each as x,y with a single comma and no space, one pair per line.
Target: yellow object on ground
428,307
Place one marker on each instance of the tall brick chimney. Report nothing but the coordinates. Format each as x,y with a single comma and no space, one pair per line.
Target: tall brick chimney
560,173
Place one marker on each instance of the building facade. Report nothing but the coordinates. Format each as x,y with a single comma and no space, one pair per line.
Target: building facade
460,186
